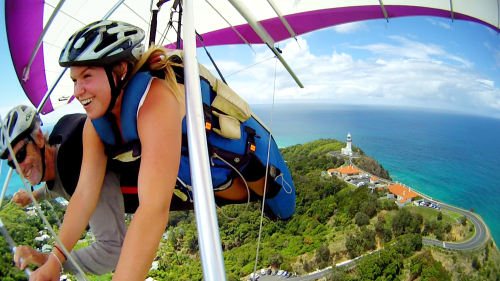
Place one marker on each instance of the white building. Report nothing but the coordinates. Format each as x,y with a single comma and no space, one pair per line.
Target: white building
348,149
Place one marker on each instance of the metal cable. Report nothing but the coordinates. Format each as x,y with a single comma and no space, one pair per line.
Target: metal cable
267,170
250,66
248,189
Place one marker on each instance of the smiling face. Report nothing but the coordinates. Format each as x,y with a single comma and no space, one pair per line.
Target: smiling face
31,167
91,89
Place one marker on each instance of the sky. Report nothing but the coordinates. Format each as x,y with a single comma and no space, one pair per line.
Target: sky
415,61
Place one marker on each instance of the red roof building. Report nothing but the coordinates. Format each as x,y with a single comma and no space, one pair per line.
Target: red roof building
348,171
402,193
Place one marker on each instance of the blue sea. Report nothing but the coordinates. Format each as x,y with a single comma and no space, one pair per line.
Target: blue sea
449,156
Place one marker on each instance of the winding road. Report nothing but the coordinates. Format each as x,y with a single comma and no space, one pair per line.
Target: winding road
481,235
482,232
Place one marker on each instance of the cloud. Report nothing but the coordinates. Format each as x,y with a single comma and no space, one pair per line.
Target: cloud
491,31
495,52
440,24
496,55
403,78
349,27
486,82
412,49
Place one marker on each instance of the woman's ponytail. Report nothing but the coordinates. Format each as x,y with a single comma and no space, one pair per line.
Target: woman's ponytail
157,58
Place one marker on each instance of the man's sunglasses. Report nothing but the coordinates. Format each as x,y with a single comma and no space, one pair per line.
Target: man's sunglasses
20,155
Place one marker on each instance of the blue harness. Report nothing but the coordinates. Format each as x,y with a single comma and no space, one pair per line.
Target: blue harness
253,144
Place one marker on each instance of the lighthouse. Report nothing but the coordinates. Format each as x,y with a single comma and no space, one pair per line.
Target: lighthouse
348,149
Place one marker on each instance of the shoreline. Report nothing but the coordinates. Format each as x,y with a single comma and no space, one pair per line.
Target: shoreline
467,213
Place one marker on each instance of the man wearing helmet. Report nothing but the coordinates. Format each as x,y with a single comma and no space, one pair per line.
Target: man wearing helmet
56,161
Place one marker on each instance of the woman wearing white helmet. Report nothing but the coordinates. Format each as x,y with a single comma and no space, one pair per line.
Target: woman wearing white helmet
107,65
101,56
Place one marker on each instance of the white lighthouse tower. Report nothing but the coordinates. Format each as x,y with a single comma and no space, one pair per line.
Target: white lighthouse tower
348,149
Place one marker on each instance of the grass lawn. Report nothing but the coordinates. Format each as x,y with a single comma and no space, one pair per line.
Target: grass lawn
452,214
430,213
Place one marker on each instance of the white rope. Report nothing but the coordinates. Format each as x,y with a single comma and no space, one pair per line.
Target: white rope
283,182
37,206
265,176
246,185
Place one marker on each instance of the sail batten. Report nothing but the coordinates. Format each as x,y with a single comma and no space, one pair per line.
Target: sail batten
24,26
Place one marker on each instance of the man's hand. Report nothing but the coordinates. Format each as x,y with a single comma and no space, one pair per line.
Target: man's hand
22,198
25,255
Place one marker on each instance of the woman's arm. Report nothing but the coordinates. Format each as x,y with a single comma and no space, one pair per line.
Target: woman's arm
82,203
160,130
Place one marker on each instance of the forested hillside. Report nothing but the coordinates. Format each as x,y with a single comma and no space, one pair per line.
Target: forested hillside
334,222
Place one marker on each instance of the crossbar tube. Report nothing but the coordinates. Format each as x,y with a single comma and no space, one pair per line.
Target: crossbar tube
263,34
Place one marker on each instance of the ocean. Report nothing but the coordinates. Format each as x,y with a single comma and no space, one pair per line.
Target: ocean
449,156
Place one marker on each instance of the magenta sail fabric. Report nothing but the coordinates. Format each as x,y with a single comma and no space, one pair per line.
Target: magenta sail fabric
302,23
24,24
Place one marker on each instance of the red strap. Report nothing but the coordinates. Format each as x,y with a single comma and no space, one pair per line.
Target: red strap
129,190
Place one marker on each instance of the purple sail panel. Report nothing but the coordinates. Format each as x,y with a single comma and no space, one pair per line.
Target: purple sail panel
306,22
408,11
24,24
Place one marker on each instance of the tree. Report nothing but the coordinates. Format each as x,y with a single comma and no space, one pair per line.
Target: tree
476,264
307,267
463,220
337,274
323,257
276,259
368,268
361,219
440,216
387,234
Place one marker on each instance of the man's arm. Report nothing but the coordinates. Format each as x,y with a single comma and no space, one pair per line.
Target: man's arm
108,226
21,197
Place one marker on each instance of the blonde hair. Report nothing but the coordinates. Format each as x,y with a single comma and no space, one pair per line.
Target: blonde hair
157,58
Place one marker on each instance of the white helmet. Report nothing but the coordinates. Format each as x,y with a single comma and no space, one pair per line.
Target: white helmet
103,43
19,124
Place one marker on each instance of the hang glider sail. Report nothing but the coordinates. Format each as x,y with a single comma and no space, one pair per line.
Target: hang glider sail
35,52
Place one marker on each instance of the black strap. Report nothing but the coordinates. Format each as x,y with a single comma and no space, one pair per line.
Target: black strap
115,91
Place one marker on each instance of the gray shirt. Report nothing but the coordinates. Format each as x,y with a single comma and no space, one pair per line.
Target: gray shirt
107,224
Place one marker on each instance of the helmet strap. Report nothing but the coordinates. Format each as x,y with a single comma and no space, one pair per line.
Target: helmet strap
42,153
115,90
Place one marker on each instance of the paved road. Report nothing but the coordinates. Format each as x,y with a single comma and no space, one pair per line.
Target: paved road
480,236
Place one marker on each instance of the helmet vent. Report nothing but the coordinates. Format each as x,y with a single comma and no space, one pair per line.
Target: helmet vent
12,123
110,39
130,32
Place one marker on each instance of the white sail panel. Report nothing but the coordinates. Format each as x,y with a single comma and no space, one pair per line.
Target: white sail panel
303,16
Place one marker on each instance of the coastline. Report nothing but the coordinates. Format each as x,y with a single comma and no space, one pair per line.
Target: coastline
480,238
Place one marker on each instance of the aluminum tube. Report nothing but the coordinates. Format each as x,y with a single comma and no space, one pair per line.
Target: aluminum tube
12,244
383,10
7,180
252,20
26,72
283,20
212,261
261,31
47,95
287,67
113,9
